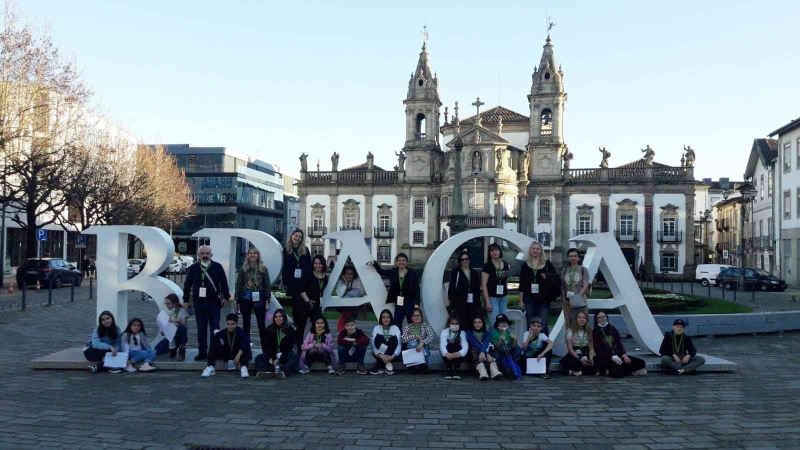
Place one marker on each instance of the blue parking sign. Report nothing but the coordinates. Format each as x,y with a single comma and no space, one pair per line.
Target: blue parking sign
41,235
80,241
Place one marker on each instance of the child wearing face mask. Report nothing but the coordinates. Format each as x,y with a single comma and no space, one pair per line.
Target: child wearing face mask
453,347
610,355
506,352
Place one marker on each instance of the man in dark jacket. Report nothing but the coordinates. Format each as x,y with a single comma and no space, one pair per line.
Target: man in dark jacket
678,354
206,288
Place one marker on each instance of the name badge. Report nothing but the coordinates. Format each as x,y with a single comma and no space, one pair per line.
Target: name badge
298,273
469,298
256,296
382,349
400,300
499,289
570,294
352,350
534,288
201,292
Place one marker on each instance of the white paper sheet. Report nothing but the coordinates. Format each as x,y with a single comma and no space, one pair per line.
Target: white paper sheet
413,357
116,362
168,329
535,366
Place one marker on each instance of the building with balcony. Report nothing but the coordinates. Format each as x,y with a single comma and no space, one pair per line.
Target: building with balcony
759,246
787,203
514,174
231,191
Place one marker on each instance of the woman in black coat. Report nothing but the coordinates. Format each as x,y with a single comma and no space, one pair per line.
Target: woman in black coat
403,288
296,266
464,292
610,355
279,358
539,284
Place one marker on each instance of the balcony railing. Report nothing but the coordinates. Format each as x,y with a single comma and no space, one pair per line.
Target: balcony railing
480,221
420,136
352,177
628,175
317,231
631,236
384,233
350,227
579,231
675,237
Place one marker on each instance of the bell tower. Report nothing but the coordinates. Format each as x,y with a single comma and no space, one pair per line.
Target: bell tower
547,101
422,120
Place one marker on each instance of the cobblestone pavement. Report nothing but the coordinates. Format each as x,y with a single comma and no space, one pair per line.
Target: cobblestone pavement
756,408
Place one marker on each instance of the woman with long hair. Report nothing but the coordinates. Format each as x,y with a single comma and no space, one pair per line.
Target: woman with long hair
314,284
252,291
279,358
385,344
494,282
464,291
575,284
579,359
539,284
348,286
296,264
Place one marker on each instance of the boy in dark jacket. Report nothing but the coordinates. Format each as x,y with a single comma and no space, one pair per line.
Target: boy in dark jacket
678,354
352,347
232,345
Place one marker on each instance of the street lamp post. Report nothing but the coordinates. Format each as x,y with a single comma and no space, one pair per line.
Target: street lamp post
748,193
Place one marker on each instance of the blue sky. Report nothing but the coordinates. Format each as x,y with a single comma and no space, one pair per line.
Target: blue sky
273,79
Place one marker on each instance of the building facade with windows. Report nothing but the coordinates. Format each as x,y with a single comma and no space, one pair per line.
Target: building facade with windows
515,174
787,205
759,245
231,191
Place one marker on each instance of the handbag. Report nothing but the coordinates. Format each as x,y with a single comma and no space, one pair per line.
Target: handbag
577,300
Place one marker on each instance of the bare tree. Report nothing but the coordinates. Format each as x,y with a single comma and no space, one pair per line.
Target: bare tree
43,106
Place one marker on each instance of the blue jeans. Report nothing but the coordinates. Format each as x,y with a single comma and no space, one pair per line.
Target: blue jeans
181,337
356,357
536,309
499,306
138,356
425,349
207,316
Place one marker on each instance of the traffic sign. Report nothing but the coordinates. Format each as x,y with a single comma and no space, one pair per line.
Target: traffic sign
80,241
41,235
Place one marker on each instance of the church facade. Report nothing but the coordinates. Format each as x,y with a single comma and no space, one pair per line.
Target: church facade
515,174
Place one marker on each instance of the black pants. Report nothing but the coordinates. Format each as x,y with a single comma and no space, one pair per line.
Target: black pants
94,355
607,367
569,362
287,362
225,353
523,361
453,366
391,344
467,312
302,313
246,307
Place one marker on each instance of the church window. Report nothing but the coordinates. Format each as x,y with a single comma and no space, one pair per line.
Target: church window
419,209
544,210
351,214
420,127
384,222
476,205
547,75
546,126
543,238
669,262
421,82
585,219
317,247
444,210
444,235
418,238
669,224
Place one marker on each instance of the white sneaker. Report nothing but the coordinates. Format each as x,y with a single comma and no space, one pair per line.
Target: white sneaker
130,368
331,370
244,372
640,372
389,367
146,367
304,370
209,371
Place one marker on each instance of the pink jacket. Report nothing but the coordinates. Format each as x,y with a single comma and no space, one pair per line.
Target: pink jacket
328,345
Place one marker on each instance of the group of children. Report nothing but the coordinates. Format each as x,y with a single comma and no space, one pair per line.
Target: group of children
492,353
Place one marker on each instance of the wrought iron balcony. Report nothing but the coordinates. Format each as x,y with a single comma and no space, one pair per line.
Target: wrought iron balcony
674,237
383,233
317,231
480,221
350,227
631,236
579,231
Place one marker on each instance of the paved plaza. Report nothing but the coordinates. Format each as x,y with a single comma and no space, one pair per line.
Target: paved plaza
755,408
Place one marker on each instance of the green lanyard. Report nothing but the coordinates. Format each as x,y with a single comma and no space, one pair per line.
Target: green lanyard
232,341
280,338
318,338
321,281
296,257
535,276
677,346
609,340
203,274
416,330
386,332
498,272
402,279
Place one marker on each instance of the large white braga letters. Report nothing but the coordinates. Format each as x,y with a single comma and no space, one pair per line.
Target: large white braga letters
603,254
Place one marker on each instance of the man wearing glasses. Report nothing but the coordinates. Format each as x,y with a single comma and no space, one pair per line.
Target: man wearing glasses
205,288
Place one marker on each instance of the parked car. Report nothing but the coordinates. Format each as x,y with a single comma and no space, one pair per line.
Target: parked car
731,277
707,273
47,271
136,264
186,260
176,266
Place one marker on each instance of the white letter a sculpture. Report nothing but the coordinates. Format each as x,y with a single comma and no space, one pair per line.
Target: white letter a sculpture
603,253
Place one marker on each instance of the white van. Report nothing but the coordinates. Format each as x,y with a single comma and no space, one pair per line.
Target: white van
706,274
